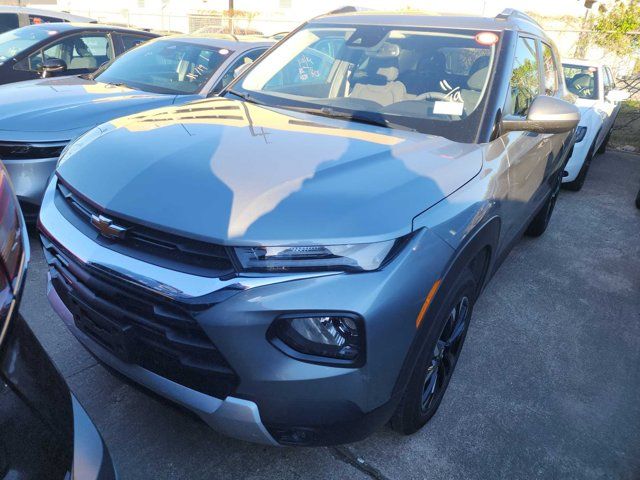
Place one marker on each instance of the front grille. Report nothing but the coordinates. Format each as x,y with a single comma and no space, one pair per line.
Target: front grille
147,244
30,151
139,326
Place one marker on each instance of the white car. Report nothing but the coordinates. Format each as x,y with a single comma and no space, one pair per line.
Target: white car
599,102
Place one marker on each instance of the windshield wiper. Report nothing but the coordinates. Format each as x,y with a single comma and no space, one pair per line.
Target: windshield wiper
245,96
329,112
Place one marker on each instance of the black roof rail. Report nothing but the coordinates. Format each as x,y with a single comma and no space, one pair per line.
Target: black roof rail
510,13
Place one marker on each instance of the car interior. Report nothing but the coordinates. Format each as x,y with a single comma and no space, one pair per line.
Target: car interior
402,74
581,81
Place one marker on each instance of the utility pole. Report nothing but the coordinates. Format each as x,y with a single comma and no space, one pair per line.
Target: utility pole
583,38
231,15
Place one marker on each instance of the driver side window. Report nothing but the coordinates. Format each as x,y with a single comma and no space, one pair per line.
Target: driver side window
79,52
524,86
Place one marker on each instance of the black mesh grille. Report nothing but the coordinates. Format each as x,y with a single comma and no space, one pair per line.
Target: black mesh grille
147,244
30,151
139,327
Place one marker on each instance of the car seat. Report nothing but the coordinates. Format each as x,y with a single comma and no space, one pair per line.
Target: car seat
378,82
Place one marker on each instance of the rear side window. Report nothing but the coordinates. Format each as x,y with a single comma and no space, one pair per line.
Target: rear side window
131,41
550,71
525,79
8,21
38,19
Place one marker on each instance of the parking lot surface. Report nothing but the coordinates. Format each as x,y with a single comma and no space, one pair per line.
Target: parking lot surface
548,384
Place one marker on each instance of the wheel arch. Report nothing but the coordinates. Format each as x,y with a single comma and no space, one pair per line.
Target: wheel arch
480,252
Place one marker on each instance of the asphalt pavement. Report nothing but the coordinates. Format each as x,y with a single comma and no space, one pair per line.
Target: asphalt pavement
548,383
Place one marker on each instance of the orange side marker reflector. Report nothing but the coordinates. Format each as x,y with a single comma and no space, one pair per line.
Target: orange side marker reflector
427,302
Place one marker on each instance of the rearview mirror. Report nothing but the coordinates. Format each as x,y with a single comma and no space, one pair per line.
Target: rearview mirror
52,66
617,96
546,115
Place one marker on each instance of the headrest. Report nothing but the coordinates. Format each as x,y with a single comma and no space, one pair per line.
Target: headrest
390,73
582,80
477,80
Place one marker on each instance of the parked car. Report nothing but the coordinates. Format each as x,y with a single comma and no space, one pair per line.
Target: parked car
599,103
39,118
56,49
44,431
297,261
16,17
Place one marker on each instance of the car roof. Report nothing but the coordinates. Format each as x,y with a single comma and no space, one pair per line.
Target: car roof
507,20
231,42
45,13
582,63
61,27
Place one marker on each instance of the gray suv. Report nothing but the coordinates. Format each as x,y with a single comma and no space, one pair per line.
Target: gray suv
297,260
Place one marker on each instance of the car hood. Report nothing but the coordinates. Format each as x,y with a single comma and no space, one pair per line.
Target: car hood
69,103
237,173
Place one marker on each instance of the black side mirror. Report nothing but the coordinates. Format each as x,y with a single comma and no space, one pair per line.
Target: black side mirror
546,115
52,67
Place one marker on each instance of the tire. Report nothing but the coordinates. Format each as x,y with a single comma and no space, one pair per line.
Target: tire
638,200
603,147
577,184
540,222
437,361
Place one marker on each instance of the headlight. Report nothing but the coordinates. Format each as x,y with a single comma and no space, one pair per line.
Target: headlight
355,257
580,133
337,338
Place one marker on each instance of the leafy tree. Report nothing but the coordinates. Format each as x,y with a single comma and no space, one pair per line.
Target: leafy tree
616,26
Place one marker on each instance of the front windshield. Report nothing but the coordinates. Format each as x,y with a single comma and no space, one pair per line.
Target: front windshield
16,41
581,80
425,80
165,66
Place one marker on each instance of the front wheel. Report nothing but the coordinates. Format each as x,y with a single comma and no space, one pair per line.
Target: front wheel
638,200
435,366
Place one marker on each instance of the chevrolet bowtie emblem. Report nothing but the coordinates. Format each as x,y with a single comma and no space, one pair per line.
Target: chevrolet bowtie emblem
107,228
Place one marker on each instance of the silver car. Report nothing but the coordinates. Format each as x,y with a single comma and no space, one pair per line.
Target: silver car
40,117
297,260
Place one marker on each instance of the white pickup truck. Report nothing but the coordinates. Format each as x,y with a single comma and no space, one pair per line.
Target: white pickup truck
599,102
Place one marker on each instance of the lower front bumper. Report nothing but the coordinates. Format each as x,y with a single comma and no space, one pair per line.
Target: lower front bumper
577,159
234,417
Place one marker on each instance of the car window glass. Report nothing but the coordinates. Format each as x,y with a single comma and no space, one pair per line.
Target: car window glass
611,78
402,77
230,74
79,52
38,19
166,66
8,21
607,81
525,81
550,71
311,66
581,80
15,42
131,41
